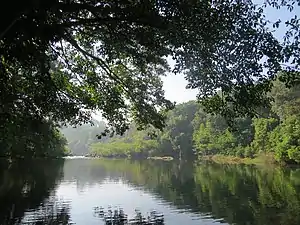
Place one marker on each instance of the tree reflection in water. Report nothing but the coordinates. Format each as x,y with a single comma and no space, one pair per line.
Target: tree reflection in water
234,194
53,211
118,217
26,189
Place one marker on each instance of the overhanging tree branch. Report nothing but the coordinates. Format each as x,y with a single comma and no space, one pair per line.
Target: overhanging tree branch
102,64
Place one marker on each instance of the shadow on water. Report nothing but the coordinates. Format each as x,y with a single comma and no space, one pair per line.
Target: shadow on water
26,193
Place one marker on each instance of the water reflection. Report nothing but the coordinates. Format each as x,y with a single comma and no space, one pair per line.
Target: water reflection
233,194
52,211
26,189
52,193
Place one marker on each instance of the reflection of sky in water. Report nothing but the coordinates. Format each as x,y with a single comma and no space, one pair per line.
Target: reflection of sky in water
119,194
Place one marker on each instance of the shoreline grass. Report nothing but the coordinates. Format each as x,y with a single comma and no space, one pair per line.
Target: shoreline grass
262,159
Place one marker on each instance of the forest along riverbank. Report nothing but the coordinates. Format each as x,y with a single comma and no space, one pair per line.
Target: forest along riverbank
193,134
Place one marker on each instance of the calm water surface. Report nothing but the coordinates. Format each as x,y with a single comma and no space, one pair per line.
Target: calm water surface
65,192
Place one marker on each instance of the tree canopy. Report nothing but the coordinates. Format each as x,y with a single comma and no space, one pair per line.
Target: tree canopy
64,59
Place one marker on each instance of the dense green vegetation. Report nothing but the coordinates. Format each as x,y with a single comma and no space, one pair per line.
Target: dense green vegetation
192,133
32,138
62,60
136,148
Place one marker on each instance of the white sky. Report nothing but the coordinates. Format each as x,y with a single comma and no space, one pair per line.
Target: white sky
174,86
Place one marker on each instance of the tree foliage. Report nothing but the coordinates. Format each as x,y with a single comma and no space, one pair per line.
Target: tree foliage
31,138
263,127
81,56
62,60
133,144
191,133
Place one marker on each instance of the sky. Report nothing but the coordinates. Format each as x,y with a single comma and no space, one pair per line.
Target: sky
175,85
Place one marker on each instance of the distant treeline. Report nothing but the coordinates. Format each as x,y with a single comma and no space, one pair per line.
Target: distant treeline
81,137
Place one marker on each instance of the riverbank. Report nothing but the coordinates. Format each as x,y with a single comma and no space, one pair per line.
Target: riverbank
263,159
163,158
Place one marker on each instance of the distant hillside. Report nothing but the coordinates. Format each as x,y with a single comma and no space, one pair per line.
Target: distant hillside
82,137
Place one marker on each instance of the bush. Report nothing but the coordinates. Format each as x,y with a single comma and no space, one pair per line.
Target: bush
239,151
249,152
294,153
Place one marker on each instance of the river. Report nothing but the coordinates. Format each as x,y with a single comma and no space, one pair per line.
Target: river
67,191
